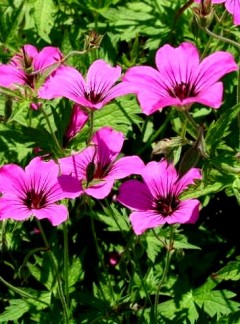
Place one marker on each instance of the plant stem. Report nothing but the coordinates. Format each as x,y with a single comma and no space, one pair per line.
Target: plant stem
66,261
55,271
170,249
51,130
91,119
224,39
21,292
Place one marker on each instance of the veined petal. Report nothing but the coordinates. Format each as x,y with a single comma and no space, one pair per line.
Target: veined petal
126,166
160,178
10,76
212,68
118,90
143,220
135,195
76,164
187,179
65,82
187,212
100,190
13,181
70,186
108,145
42,175
101,77
77,121
47,57
233,6
212,96
177,65
56,214
13,208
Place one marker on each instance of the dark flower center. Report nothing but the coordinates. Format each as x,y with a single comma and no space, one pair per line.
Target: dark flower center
167,205
35,200
95,171
182,91
93,96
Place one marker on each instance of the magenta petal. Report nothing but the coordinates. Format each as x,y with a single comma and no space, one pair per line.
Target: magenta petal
41,173
10,76
143,220
76,164
233,6
100,190
46,57
71,186
135,195
77,121
177,65
126,166
13,208
159,177
188,178
187,212
56,214
65,82
108,144
12,179
212,68
101,76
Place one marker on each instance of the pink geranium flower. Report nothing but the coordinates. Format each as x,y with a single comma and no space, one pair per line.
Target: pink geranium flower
155,201
26,68
35,191
94,92
77,121
22,66
96,167
180,79
232,6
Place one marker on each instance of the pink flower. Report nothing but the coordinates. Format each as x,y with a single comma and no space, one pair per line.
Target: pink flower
232,6
94,92
77,121
155,201
35,191
181,79
96,167
22,66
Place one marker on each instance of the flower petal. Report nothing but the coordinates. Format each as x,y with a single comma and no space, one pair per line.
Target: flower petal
187,212
135,195
177,65
56,214
101,77
70,186
108,145
10,76
126,166
233,6
160,178
65,82
100,190
143,220
212,68
187,179
47,57
13,208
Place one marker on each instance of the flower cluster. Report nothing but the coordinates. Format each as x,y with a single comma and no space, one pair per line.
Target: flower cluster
180,79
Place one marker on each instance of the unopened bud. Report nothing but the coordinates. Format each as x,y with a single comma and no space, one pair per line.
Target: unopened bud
203,13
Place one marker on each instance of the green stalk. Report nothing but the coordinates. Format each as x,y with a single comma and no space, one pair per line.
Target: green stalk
91,120
169,254
21,292
224,39
56,273
51,131
66,261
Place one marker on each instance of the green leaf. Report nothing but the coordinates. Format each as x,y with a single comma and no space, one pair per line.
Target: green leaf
14,311
44,17
154,246
230,272
219,129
